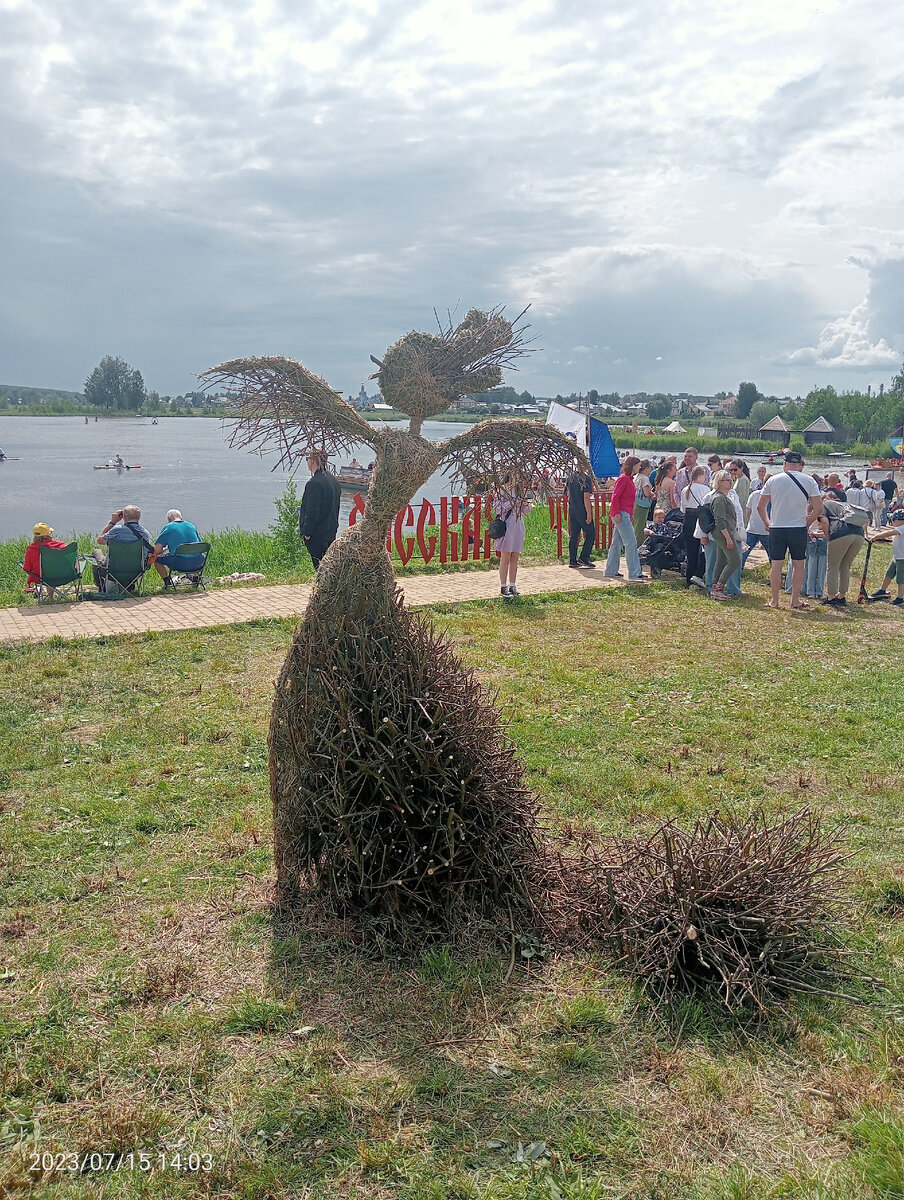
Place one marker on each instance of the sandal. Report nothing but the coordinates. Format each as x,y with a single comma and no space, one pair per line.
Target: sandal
801,605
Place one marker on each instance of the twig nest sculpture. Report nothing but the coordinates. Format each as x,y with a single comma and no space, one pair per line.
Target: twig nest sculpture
423,373
394,787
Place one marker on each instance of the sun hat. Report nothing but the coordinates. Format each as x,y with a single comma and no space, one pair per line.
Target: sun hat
42,529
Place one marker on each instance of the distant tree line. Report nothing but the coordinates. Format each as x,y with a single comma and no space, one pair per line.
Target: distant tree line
115,386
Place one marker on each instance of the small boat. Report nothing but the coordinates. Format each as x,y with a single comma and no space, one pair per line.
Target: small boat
354,479
124,467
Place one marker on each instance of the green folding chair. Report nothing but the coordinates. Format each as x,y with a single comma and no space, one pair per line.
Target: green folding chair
61,572
126,565
187,565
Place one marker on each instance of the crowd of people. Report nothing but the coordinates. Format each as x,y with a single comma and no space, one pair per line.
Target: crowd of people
709,517
704,518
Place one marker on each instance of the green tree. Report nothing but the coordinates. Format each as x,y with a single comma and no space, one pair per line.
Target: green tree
659,407
284,530
762,411
897,384
114,384
747,397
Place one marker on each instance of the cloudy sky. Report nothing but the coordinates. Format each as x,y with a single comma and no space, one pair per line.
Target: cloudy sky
688,193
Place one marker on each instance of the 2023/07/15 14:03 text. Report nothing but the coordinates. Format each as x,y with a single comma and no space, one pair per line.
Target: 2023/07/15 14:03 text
79,1164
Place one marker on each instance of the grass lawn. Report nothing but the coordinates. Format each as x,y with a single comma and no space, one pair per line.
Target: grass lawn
150,1004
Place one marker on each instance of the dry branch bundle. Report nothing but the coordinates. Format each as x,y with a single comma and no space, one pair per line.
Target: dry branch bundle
734,906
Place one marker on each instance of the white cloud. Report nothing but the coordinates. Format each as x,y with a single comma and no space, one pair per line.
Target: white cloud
313,179
845,343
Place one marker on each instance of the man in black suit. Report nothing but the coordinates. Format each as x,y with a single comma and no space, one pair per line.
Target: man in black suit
319,516
579,490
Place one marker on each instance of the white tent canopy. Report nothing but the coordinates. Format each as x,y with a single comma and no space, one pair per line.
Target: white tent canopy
674,428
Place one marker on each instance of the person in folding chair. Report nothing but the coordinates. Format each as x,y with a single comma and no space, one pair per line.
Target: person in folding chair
123,526
175,533
42,535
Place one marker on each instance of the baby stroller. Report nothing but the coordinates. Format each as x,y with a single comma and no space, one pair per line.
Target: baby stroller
663,549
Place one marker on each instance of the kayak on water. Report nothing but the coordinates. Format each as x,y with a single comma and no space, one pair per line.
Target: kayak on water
124,467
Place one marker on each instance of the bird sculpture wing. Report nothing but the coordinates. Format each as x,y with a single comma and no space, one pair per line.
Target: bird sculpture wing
512,458
277,406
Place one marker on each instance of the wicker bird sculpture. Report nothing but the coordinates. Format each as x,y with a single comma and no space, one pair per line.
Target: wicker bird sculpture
394,785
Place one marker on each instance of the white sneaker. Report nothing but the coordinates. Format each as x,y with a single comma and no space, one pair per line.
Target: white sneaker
698,582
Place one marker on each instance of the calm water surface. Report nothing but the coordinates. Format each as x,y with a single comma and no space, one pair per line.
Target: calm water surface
185,464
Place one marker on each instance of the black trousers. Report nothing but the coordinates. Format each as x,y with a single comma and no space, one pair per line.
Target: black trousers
578,524
317,547
694,563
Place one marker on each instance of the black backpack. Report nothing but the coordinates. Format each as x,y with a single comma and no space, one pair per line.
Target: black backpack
706,519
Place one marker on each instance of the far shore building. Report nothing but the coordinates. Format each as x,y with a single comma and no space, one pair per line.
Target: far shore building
776,430
820,430
365,403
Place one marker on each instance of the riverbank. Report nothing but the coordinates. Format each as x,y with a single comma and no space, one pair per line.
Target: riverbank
158,1006
245,550
242,551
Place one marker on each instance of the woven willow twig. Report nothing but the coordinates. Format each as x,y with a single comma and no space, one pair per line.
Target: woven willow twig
281,407
423,373
512,458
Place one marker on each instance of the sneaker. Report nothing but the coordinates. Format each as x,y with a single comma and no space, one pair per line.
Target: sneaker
880,594
581,563
574,566
168,583
897,602
698,582
513,591
837,602
504,592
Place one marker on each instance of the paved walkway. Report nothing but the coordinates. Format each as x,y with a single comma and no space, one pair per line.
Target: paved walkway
228,606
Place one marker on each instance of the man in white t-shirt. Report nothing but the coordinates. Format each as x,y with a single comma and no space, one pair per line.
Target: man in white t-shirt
795,504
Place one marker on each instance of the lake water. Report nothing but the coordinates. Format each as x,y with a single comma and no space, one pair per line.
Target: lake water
185,464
